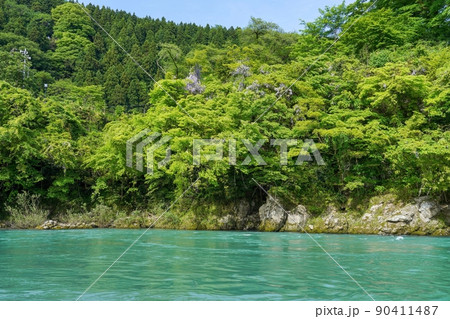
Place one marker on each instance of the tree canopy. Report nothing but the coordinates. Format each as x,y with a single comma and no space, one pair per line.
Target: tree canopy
376,103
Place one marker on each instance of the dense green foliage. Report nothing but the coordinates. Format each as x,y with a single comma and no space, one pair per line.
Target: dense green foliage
377,103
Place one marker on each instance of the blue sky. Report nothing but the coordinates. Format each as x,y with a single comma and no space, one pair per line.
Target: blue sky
285,13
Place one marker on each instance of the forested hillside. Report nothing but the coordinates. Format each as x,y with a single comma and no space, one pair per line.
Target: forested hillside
376,103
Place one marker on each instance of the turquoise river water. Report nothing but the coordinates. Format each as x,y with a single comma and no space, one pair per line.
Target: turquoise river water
197,265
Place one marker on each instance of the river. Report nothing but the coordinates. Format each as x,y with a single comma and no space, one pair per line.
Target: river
207,265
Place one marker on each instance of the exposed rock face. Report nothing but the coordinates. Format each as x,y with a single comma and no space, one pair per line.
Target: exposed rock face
49,224
272,216
269,217
243,218
227,222
423,216
385,215
446,214
52,224
427,209
296,219
423,209
335,221
243,210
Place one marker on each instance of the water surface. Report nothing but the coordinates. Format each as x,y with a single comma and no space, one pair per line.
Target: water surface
194,265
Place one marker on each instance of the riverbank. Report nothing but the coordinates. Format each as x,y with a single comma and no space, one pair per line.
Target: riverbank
383,215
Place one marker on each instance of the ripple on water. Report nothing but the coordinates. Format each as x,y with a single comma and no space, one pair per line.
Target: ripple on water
186,265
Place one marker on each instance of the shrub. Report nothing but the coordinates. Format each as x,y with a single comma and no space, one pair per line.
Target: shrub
27,212
103,216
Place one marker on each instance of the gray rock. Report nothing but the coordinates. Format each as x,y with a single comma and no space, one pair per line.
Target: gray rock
400,219
375,208
48,224
367,217
244,217
427,210
251,222
334,221
227,222
446,214
296,219
243,208
419,216
405,214
272,216
388,209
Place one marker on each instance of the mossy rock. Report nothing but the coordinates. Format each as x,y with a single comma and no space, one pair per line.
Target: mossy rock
268,226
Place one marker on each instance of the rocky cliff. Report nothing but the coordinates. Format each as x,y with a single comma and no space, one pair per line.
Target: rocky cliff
385,215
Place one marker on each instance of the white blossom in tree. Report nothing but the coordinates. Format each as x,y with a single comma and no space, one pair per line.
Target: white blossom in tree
282,90
193,84
242,70
255,87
